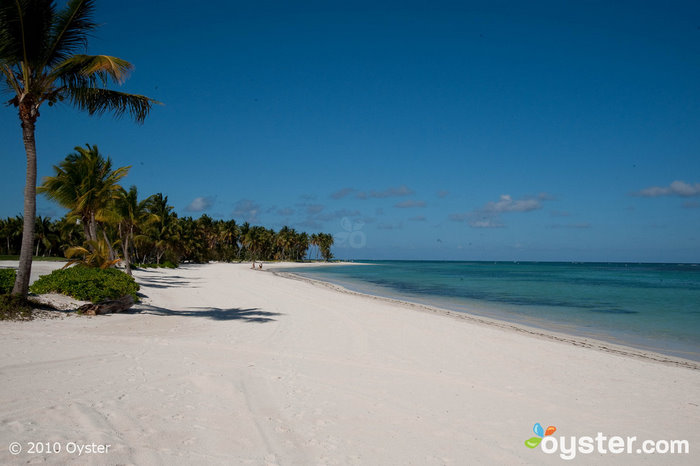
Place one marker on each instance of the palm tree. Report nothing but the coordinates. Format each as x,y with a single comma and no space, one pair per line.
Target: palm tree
40,62
99,255
315,241
11,230
85,184
69,233
45,234
131,215
325,241
164,229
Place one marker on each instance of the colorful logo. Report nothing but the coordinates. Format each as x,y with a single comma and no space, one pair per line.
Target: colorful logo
532,442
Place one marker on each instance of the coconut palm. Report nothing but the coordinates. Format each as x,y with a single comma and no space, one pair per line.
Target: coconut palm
314,241
85,184
163,231
41,61
131,214
45,234
325,241
99,255
11,231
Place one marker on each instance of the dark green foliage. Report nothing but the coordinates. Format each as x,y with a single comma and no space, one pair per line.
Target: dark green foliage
87,284
7,280
15,307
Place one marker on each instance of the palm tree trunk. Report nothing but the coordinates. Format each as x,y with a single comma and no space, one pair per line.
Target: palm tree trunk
25,255
125,248
112,254
92,227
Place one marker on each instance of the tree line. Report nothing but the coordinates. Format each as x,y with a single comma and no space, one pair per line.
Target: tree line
107,223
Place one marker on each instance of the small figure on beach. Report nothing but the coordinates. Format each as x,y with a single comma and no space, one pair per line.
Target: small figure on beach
253,267
261,266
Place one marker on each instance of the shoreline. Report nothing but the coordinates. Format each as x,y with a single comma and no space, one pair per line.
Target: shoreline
536,332
222,364
278,268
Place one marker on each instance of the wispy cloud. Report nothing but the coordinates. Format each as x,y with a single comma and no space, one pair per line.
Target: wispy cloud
486,222
200,204
677,188
399,191
489,215
247,210
508,204
443,193
409,204
342,193
314,209
285,212
417,218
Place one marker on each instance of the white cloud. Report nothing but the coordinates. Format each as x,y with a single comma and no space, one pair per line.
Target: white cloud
489,215
508,204
399,191
677,188
285,212
314,209
342,193
486,223
247,210
200,204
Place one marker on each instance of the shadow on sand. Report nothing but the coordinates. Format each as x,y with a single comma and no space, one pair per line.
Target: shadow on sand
171,281
252,315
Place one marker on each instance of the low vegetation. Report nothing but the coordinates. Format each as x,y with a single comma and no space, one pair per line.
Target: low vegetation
15,307
87,283
7,280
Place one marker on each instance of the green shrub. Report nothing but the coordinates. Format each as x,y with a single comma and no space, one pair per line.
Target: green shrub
15,308
87,283
7,280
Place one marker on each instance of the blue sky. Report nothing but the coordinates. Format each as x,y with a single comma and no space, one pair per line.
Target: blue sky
412,130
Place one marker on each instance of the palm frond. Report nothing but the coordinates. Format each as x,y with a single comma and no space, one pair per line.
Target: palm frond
98,101
37,18
25,28
11,51
91,70
70,30
11,79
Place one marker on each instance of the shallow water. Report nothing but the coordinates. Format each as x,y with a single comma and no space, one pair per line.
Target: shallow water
650,306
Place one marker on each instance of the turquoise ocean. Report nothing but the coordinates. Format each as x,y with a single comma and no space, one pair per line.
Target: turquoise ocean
648,306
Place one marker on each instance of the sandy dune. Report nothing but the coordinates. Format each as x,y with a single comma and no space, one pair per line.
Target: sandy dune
222,364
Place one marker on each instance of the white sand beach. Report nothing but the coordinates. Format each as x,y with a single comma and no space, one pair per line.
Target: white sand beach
222,364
